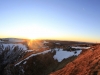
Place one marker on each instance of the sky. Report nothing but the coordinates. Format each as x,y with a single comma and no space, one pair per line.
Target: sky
76,20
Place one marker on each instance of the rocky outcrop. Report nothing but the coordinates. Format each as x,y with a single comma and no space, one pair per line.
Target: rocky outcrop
36,64
9,55
87,63
17,61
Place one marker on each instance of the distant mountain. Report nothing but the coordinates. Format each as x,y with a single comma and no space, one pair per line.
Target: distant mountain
12,40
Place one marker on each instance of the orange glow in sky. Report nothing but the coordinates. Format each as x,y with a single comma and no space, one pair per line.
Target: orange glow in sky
50,19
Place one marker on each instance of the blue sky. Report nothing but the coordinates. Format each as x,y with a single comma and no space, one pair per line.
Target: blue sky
77,20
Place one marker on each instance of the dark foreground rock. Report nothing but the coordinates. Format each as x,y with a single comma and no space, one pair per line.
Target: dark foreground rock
42,64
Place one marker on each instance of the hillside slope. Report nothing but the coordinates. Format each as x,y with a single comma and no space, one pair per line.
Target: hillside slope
44,58
42,63
87,63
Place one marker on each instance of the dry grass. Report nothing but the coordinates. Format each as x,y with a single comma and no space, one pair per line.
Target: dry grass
88,63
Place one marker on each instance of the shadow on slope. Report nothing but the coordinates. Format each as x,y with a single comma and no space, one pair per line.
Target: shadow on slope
9,55
42,64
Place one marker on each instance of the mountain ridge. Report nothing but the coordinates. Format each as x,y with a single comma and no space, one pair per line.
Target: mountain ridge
87,63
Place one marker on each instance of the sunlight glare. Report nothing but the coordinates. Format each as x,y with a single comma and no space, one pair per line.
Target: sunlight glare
32,32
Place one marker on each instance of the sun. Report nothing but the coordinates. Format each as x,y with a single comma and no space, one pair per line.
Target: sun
28,32
31,37
33,33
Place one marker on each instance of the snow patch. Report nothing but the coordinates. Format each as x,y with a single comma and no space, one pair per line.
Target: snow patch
25,62
60,54
1,41
80,47
23,71
29,50
13,45
58,43
32,56
15,40
45,42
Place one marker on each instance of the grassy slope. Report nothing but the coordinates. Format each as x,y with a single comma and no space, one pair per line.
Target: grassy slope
88,63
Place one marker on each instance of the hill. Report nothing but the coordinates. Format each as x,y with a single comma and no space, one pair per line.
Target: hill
43,58
87,63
